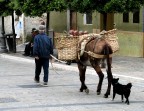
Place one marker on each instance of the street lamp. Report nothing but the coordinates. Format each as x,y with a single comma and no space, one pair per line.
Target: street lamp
3,47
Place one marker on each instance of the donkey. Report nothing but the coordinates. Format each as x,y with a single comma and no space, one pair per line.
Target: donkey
95,50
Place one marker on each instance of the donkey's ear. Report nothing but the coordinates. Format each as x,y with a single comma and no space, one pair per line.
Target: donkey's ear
117,78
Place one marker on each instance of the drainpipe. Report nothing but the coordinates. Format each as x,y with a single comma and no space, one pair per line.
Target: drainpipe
68,20
143,29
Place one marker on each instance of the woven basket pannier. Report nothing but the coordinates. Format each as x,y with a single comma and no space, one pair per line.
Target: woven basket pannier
112,39
67,47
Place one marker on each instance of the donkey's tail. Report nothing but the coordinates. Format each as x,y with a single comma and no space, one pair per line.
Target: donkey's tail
108,52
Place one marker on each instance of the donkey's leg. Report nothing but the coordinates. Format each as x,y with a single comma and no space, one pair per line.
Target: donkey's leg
82,70
109,76
108,88
101,76
97,68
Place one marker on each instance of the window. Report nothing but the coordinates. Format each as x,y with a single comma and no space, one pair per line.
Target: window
126,17
88,18
136,17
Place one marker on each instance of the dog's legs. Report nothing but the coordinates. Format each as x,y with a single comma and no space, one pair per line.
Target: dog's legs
127,101
122,98
113,95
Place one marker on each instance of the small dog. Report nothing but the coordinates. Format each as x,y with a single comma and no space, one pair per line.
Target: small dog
123,90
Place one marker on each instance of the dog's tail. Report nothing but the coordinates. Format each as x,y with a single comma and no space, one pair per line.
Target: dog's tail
129,85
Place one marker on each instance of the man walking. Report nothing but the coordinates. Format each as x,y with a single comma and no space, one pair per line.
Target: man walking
41,51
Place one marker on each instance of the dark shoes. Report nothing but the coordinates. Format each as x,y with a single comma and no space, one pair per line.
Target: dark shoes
31,55
44,84
25,54
37,81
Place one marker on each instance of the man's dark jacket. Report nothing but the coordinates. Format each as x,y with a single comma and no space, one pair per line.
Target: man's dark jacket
42,46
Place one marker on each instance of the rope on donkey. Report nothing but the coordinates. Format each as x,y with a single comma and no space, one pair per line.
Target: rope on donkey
56,60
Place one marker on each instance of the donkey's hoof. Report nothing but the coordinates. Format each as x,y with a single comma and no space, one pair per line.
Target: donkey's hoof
98,93
81,90
106,96
87,91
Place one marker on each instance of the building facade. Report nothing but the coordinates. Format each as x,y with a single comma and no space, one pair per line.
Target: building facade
129,27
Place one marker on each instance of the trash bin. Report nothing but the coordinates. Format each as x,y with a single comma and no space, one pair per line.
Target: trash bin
10,41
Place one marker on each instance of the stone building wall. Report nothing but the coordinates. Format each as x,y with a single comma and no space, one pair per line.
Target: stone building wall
8,24
23,26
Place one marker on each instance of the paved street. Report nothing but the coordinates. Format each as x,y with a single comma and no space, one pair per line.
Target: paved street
19,92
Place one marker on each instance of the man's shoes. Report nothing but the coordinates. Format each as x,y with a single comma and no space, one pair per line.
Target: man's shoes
37,81
31,55
44,84
25,55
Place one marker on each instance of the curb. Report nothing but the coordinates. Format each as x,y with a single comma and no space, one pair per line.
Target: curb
53,65
20,59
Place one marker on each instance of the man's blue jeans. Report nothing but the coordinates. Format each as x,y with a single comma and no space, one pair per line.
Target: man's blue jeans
42,62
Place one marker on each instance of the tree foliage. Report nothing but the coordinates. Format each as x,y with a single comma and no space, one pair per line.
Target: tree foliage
7,7
37,8
123,5
105,6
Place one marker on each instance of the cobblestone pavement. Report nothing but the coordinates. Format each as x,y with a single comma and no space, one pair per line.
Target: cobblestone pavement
19,92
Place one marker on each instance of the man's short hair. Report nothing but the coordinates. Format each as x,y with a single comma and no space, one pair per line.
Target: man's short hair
33,29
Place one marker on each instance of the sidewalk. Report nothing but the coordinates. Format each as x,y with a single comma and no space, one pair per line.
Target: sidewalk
18,91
